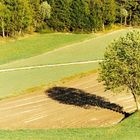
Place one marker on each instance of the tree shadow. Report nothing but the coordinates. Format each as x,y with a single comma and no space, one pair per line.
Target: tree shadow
83,99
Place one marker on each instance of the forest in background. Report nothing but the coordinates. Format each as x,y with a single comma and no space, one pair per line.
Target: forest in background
26,16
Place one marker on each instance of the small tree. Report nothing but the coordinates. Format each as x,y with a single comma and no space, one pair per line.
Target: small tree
109,12
124,13
45,10
121,65
3,15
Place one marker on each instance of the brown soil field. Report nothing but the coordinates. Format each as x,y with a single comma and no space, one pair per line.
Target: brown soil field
38,110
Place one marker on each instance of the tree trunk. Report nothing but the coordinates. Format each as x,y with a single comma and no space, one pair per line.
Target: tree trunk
3,31
103,27
130,18
121,20
136,101
125,20
20,31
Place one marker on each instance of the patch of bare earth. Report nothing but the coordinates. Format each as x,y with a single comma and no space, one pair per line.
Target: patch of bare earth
37,110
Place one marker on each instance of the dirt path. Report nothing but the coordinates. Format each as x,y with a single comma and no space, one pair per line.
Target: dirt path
37,110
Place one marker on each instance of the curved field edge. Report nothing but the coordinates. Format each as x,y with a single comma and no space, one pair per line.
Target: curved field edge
17,81
126,130
37,45
42,87
87,50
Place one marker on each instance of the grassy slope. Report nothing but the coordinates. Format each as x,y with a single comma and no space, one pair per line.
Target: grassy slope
127,130
90,50
35,45
13,82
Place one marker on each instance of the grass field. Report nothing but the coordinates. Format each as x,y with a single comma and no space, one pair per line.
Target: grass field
90,49
37,44
127,130
16,81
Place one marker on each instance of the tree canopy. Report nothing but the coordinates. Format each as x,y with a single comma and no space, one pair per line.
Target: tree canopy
121,65
19,16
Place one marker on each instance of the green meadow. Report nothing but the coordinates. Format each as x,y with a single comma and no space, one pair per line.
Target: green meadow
37,44
90,48
14,82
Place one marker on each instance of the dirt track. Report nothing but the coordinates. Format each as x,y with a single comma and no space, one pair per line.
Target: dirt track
37,110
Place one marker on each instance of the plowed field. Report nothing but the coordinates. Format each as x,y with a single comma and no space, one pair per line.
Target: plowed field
38,110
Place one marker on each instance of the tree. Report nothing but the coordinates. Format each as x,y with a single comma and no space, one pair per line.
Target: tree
5,18
96,15
128,11
3,10
133,8
109,12
79,10
59,15
121,65
35,10
124,13
22,17
17,16
45,10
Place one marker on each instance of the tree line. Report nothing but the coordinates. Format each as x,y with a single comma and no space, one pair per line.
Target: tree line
20,16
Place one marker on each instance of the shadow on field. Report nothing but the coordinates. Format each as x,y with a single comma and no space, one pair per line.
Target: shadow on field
80,98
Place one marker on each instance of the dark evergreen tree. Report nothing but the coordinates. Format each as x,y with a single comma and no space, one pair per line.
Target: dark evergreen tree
79,10
60,15
109,12
96,14
133,8
35,8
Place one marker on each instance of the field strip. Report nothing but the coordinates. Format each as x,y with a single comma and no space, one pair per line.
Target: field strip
11,107
84,41
125,98
91,86
28,103
132,110
34,108
28,109
129,100
129,107
85,82
21,99
42,115
70,45
22,112
18,114
49,65
36,119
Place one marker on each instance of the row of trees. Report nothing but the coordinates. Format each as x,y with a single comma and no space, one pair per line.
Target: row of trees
18,16
92,15
81,15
